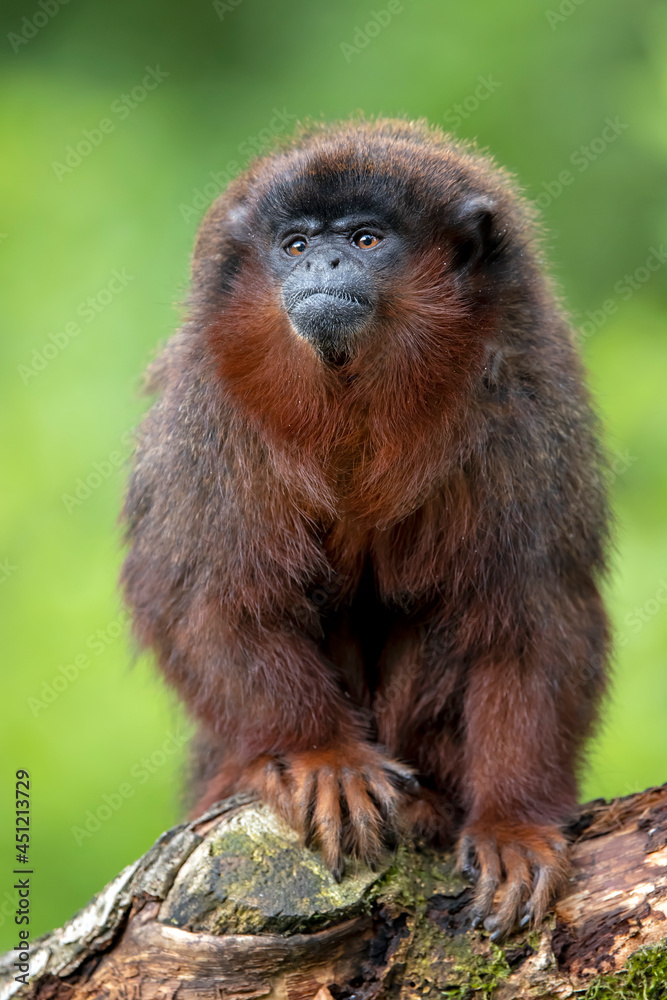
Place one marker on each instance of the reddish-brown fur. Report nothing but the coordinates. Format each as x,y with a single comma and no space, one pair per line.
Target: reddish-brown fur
355,574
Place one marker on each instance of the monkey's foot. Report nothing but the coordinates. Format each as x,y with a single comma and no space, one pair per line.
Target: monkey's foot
518,869
343,798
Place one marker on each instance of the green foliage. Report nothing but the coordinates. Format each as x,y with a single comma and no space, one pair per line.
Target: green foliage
645,978
108,164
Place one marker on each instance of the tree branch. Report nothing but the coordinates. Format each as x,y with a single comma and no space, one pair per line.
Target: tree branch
233,906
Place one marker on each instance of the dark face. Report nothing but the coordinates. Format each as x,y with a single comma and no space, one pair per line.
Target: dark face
332,274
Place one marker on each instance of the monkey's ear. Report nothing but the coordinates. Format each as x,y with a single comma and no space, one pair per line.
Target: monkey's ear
236,219
219,247
223,223
473,233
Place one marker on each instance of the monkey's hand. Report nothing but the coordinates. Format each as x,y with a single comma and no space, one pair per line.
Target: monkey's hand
343,798
518,869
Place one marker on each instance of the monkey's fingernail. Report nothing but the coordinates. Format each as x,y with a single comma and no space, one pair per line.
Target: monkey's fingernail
525,920
411,784
337,874
497,936
476,921
403,780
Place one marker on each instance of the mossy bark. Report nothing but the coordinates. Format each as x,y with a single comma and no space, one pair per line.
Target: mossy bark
233,906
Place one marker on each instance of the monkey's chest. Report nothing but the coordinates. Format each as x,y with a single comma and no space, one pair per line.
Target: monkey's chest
408,562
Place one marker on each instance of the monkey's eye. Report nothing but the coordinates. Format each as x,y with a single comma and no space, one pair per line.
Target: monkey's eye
365,241
297,246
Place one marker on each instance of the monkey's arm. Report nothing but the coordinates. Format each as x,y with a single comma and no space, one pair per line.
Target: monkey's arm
283,726
496,694
527,713
535,637
217,577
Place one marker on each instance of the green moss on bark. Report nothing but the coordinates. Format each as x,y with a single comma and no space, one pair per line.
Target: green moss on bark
253,876
644,978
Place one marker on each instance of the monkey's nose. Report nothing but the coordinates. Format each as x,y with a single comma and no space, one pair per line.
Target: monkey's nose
335,262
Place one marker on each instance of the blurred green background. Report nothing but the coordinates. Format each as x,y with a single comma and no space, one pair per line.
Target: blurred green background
119,123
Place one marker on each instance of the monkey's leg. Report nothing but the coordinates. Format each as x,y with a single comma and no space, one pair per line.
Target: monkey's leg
525,720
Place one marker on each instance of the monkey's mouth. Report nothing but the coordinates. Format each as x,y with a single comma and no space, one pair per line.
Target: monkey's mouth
353,299
328,317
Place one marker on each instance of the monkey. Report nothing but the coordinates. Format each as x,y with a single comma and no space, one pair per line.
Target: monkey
367,521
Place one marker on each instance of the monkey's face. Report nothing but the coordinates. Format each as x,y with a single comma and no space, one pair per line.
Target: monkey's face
332,274
375,246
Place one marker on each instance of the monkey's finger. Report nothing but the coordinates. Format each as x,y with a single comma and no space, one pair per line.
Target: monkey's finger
538,904
273,780
381,790
488,882
363,834
550,877
513,893
305,787
327,820
402,777
466,860
268,778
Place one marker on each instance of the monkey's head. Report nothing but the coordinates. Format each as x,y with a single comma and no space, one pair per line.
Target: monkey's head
357,249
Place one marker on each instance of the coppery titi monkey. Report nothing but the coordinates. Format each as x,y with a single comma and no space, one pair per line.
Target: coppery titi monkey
367,518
